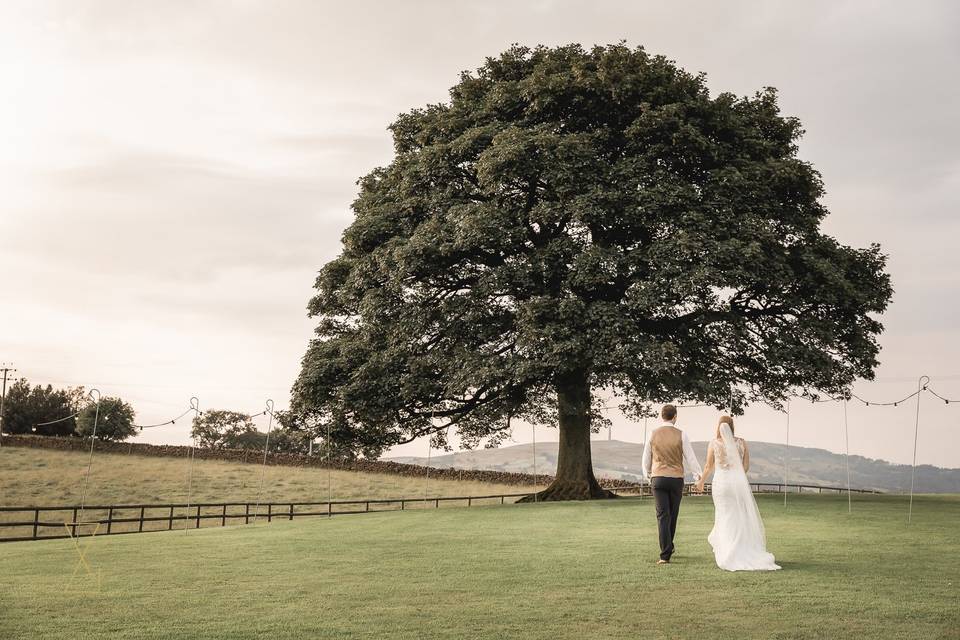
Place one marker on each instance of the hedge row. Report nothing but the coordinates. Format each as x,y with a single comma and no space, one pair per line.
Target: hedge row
284,459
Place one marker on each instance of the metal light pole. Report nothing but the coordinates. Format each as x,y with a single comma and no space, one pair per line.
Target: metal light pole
93,439
195,407
921,385
846,454
263,466
533,431
786,458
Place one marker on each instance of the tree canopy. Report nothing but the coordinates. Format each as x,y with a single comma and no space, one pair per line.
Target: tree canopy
219,429
573,220
26,408
114,420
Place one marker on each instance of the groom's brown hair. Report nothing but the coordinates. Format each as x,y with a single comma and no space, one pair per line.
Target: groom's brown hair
669,412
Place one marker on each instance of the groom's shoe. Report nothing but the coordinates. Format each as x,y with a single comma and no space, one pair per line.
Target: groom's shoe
661,561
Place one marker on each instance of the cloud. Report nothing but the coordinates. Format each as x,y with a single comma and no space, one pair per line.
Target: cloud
164,216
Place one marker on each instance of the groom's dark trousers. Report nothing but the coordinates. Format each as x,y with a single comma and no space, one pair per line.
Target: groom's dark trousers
666,496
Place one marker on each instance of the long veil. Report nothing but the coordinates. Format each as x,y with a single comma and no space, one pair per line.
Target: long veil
751,529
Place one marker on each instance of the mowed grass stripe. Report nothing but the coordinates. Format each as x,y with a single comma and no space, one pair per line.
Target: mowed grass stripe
570,570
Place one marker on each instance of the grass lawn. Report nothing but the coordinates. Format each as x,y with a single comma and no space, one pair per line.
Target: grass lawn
568,570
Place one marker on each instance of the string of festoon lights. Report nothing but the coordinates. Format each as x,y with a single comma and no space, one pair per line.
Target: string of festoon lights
93,399
923,386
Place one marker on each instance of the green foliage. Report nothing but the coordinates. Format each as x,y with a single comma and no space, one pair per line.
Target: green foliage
283,440
217,429
25,407
296,430
574,213
114,420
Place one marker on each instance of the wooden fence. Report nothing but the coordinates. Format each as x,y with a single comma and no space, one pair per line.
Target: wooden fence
47,523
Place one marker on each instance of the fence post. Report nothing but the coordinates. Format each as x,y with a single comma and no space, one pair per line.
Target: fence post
501,499
223,516
36,522
170,525
469,501
401,505
198,516
269,512
246,513
438,503
291,511
73,527
109,519
368,506
142,509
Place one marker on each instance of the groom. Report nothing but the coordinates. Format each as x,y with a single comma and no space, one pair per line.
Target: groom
667,458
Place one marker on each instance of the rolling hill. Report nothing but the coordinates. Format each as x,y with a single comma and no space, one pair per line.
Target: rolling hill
617,459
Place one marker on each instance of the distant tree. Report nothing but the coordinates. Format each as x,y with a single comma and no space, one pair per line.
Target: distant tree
300,429
217,429
26,408
574,220
285,440
114,420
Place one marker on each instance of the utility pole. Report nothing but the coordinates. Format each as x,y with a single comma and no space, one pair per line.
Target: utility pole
6,369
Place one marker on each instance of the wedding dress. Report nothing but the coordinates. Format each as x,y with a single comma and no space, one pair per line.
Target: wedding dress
738,538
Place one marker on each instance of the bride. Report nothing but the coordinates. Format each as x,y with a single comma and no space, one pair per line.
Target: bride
738,539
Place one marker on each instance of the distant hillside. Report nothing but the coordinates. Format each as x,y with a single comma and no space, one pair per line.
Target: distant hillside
616,459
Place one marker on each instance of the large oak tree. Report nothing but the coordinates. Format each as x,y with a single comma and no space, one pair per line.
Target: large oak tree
573,220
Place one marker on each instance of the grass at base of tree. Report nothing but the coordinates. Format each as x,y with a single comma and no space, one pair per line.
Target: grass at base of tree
561,570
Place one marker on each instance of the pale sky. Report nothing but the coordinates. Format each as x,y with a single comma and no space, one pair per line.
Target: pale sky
173,174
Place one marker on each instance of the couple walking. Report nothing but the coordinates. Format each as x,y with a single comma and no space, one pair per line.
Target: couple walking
737,538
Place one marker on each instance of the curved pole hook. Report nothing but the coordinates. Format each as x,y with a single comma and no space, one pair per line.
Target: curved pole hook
269,406
91,394
195,404
921,384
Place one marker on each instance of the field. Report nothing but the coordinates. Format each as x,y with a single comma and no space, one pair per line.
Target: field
50,477
44,477
568,570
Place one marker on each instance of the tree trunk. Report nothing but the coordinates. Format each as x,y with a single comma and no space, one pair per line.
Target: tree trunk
574,479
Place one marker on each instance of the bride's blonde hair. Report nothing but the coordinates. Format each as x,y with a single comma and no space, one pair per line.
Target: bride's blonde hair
725,420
